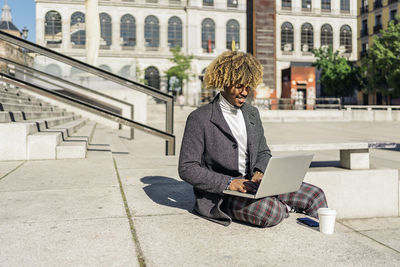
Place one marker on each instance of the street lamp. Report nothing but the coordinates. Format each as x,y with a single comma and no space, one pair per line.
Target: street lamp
25,32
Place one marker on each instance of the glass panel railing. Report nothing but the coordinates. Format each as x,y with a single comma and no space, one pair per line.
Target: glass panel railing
51,70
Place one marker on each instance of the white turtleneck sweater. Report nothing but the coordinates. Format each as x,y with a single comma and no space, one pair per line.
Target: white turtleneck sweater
234,117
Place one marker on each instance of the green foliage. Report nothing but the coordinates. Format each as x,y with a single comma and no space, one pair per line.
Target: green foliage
181,69
338,76
382,66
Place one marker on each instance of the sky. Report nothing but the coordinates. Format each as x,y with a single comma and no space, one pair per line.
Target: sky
23,14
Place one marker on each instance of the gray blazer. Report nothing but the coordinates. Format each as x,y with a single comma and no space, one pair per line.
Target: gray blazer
209,156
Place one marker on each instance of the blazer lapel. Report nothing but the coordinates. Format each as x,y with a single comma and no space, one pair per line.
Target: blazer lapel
218,119
250,121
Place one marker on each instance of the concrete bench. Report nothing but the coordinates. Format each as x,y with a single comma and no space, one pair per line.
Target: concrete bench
353,155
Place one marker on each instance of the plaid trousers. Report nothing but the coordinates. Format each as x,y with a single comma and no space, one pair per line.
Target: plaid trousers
270,211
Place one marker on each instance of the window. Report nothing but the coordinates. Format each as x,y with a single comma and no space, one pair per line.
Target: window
208,2
125,71
344,5
346,38
306,4
326,5
286,4
105,67
128,31
174,32
208,35
152,76
232,3
287,37
393,14
378,24
307,37
326,35
232,34
364,28
52,27
78,29
105,30
151,32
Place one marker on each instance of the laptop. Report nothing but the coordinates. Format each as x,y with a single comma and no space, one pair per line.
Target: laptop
283,175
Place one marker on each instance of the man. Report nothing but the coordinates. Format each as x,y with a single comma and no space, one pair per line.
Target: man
224,147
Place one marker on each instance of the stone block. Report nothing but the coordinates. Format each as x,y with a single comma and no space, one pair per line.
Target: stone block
354,159
359,193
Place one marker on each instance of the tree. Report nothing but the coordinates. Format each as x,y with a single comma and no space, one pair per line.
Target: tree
382,65
181,69
338,76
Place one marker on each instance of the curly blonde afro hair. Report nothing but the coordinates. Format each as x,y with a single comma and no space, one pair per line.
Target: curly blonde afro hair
231,68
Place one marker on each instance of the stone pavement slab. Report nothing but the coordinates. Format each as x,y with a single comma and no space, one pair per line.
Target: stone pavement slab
98,242
8,166
53,205
174,197
134,176
61,174
187,240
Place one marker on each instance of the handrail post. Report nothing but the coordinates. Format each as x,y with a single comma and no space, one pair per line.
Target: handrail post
132,133
169,127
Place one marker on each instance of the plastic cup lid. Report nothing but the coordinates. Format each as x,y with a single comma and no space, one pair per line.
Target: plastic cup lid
326,211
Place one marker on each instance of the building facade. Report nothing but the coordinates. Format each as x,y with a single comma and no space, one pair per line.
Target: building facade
307,24
374,16
138,35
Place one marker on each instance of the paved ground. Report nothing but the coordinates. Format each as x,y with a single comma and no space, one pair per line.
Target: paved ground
127,210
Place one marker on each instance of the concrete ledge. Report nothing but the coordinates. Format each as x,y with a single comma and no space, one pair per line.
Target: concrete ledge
359,193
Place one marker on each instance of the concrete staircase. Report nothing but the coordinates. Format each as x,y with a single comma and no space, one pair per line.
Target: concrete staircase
32,129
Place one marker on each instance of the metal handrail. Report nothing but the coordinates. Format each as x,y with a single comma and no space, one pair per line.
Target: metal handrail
93,109
169,100
25,71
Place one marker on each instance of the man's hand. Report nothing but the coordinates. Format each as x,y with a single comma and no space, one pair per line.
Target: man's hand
257,177
243,185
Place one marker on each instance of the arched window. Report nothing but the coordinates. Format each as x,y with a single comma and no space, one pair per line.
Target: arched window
52,27
125,71
128,30
151,31
152,76
78,29
174,32
346,38
208,35
105,67
105,30
208,2
287,37
232,34
307,37
53,69
326,35
232,3
344,5
326,5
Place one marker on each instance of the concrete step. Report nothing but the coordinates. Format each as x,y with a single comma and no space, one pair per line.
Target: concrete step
25,107
42,145
5,116
7,100
76,145
16,96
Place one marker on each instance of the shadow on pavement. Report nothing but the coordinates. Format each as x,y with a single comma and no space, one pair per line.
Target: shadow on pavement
169,192
333,163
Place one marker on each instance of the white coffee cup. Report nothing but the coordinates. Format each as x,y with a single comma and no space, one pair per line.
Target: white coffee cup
327,218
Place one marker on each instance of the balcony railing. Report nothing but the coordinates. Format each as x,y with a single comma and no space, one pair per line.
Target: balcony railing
377,4
377,28
392,1
364,32
363,9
